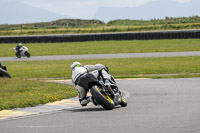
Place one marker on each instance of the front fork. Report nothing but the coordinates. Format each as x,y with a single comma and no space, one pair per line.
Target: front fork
117,96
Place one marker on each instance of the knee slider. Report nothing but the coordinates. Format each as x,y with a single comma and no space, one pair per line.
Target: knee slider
84,102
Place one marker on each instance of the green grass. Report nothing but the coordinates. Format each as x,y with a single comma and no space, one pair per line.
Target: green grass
130,67
74,26
105,47
133,27
18,92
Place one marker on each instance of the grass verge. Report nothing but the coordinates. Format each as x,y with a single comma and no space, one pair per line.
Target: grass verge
112,27
105,47
20,92
130,67
17,92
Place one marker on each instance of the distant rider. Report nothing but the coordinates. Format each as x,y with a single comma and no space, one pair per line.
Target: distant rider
18,47
77,71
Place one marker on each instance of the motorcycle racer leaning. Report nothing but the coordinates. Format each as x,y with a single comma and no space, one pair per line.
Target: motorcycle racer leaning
77,71
18,47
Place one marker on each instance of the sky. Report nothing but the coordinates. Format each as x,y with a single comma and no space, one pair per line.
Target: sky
85,9
29,11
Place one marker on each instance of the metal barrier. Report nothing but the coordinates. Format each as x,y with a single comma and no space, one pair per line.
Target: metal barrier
179,34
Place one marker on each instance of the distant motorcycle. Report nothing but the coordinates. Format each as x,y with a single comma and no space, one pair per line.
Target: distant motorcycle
103,89
23,52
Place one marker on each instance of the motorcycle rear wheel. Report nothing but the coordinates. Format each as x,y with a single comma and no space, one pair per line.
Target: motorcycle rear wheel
104,100
28,54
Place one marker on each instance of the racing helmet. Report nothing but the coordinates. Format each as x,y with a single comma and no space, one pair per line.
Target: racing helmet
75,64
20,44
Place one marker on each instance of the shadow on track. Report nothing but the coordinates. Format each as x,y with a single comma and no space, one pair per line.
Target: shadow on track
86,109
90,109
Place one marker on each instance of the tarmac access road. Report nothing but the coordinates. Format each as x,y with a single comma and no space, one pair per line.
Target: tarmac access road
102,56
154,106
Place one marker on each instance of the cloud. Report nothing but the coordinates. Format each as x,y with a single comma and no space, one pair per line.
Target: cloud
80,8
183,1
85,9
74,8
122,3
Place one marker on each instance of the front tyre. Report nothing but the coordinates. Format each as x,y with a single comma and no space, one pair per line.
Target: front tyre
28,54
18,55
104,100
123,102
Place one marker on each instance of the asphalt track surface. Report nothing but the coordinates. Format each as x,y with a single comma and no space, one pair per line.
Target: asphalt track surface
154,106
103,56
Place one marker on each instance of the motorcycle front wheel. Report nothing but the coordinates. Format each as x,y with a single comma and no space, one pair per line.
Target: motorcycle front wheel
28,54
123,102
18,55
104,100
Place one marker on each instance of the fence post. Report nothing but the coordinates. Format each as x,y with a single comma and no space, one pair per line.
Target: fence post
166,22
21,26
56,28
44,29
103,25
32,28
79,26
141,25
194,20
7,28
128,25
91,25
67,26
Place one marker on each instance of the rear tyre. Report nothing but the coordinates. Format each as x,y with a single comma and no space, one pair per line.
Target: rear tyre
105,101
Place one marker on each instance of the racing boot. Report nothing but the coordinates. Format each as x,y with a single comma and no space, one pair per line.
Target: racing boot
91,99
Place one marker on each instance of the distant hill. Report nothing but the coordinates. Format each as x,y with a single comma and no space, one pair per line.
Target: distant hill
55,23
155,9
19,13
73,22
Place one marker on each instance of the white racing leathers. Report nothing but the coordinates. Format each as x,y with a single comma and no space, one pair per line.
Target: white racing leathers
76,73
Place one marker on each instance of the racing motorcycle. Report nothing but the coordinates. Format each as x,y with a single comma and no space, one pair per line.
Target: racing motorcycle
103,89
23,52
